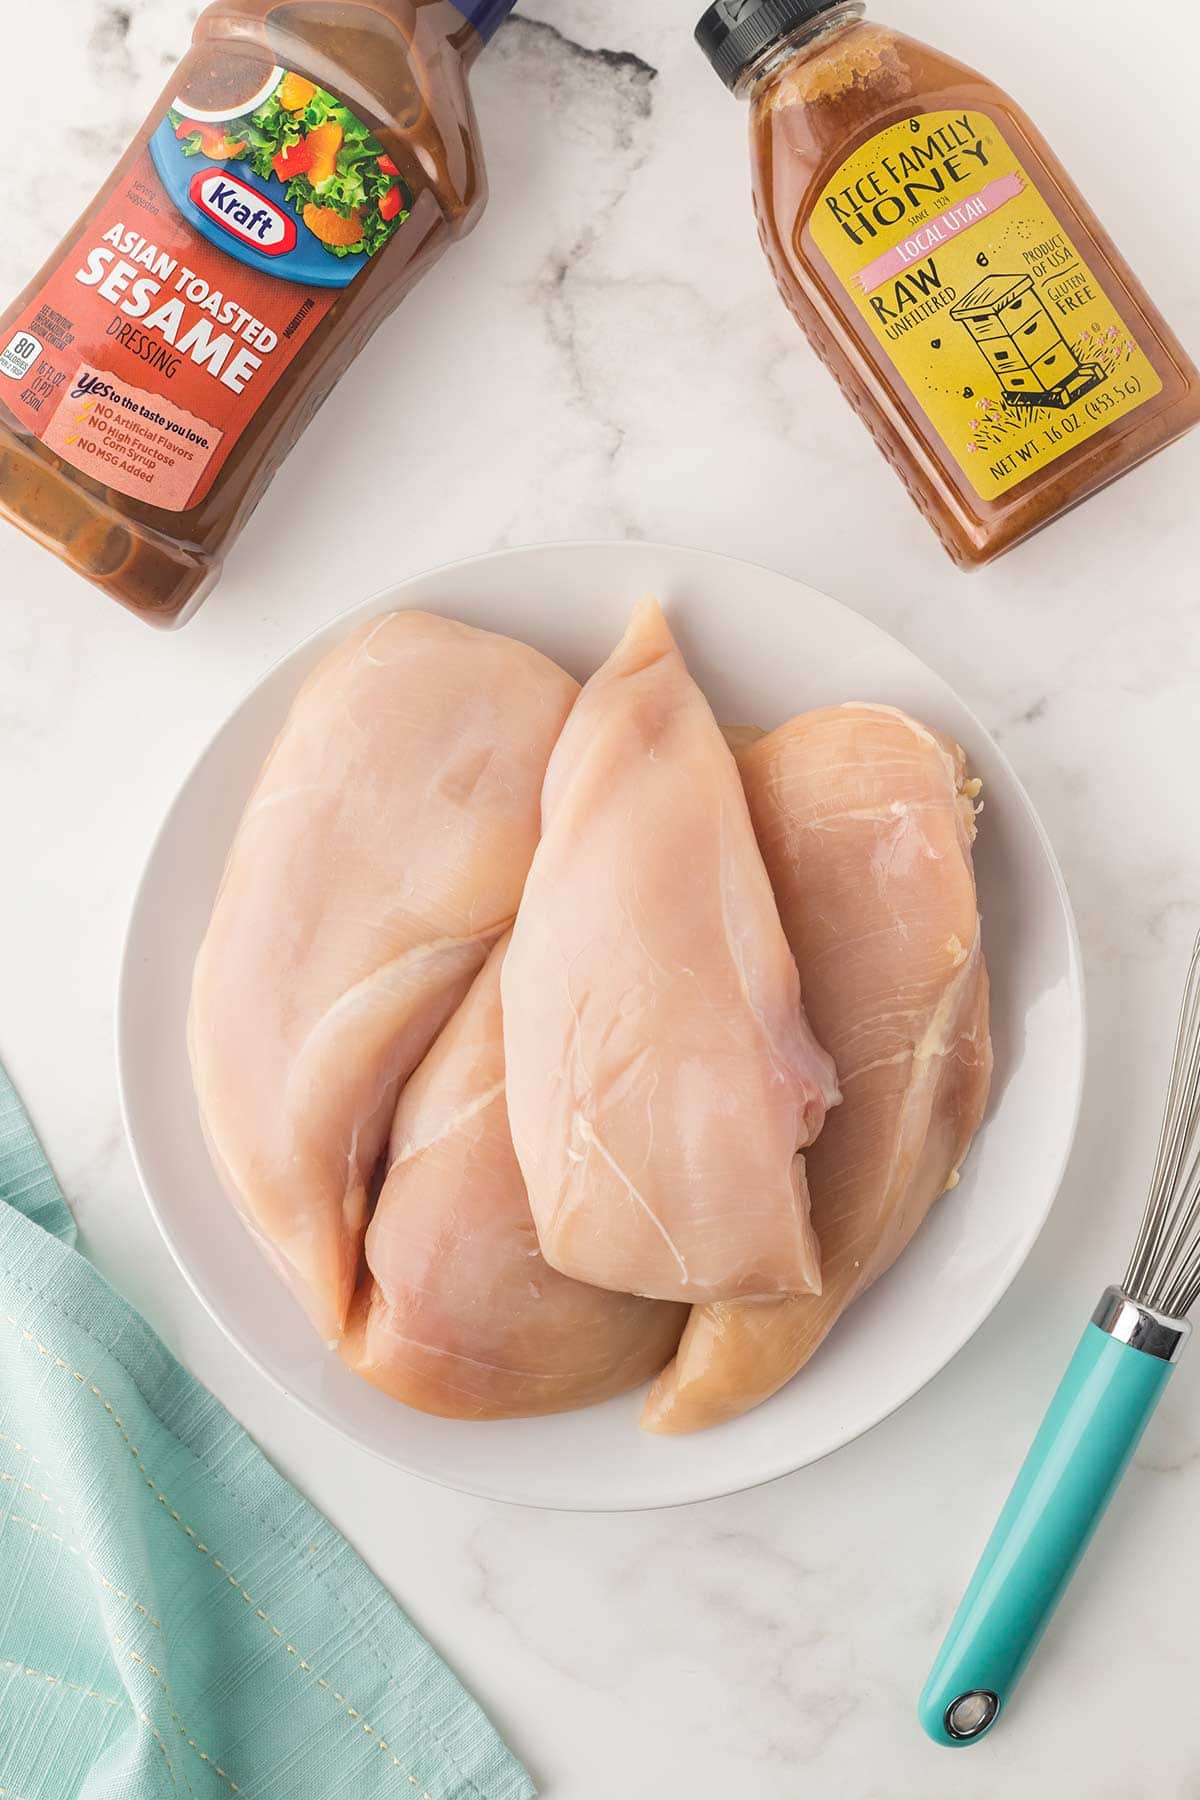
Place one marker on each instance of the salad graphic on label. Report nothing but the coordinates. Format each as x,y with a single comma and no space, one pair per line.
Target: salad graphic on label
298,178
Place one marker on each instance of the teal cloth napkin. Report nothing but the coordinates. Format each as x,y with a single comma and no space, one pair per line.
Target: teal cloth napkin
176,1622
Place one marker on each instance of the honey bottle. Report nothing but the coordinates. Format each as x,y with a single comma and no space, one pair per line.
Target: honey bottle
945,267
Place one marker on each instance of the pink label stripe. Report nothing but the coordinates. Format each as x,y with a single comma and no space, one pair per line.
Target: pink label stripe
943,226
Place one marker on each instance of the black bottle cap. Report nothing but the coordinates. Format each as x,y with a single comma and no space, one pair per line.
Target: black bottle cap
732,33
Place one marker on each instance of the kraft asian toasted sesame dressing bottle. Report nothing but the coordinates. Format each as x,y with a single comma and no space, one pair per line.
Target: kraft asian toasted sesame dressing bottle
307,162
943,264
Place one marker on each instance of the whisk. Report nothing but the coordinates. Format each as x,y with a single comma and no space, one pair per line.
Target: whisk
1090,1432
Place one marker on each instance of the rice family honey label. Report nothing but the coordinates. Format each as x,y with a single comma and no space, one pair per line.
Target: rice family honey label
978,296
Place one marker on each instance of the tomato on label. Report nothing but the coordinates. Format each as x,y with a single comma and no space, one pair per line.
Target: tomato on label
293,159
387,165
213,141
390,203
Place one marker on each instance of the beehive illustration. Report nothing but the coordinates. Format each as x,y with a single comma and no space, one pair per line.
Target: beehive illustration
1022,344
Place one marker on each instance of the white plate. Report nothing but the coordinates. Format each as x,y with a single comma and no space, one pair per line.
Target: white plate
763,647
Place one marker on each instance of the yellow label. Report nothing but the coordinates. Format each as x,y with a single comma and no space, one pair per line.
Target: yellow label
978,296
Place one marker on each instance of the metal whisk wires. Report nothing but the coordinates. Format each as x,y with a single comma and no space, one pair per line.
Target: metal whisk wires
1164,1271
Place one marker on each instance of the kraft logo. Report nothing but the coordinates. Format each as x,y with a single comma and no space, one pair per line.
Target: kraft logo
241,210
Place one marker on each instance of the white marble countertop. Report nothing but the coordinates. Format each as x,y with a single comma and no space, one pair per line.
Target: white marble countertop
606,357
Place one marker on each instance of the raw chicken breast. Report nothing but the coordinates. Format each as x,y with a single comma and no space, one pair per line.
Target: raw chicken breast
661,1072
866,822
380,856
459,1314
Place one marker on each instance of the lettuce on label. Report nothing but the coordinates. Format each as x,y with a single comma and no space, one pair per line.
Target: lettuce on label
363,175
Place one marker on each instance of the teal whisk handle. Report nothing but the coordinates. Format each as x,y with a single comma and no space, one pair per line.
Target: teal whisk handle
1102,1406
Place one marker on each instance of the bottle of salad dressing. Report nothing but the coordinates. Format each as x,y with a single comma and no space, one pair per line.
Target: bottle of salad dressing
307,162
943,264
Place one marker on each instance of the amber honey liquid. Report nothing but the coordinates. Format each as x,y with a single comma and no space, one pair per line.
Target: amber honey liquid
945,267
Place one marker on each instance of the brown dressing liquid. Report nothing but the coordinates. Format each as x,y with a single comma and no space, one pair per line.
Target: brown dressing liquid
222,83
832,89
402,66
